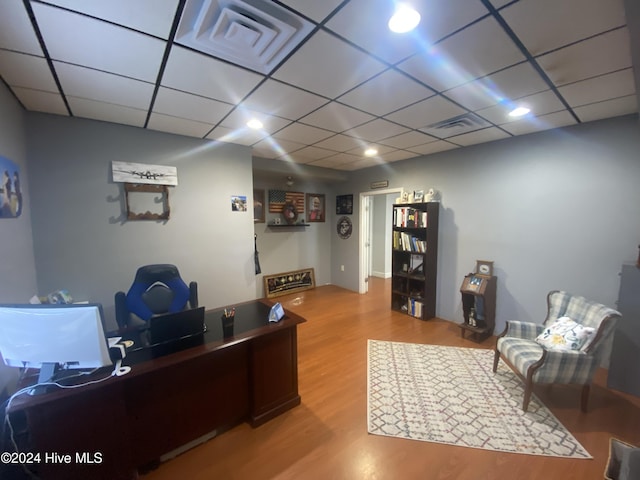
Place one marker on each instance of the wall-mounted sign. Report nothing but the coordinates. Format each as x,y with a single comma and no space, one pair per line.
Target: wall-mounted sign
380,184
142,173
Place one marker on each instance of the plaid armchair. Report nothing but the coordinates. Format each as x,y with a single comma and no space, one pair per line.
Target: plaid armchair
535,363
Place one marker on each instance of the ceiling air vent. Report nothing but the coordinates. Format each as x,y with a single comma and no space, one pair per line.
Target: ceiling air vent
464,123
256,34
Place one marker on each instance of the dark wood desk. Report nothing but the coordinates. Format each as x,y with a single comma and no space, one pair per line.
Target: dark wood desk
172,396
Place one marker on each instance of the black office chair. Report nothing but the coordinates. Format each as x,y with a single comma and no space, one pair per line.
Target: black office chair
156,289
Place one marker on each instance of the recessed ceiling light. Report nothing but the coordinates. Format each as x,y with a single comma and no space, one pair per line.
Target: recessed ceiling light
370,152
519,111
255,124
404,19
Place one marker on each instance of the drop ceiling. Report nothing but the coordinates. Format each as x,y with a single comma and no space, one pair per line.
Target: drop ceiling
326,78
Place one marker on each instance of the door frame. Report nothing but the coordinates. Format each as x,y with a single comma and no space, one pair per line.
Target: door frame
362,236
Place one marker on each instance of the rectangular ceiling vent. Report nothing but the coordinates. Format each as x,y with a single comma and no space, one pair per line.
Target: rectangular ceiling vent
464,123
256,34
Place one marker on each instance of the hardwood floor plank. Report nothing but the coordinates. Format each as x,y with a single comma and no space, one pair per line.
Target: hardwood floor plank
326,436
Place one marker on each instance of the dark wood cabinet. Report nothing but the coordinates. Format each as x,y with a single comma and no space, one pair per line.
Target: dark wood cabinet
414,259
478,305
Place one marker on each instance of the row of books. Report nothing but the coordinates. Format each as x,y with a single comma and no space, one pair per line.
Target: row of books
409,217
414,307
408,243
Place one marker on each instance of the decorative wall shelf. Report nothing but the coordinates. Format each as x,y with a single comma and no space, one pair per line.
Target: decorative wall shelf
275,225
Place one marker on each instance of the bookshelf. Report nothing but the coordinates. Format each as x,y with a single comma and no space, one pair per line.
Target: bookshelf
414,259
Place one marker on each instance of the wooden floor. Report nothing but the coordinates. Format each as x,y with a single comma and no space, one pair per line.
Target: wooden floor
326,436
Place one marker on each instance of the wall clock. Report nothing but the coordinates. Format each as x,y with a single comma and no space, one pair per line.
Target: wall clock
484,268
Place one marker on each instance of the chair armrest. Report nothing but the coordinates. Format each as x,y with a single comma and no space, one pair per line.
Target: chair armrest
527,330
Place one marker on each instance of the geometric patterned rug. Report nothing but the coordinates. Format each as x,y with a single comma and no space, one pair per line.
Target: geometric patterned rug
451,395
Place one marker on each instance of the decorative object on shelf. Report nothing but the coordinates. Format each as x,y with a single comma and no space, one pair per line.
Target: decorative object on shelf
258,205
290,213
344,228
484,268
418,196
10,191
405,197
238,203
289,282
127,172
315,207
279,198
432,195
344,204
135,189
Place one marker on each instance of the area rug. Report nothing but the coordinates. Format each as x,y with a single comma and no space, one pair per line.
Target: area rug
450,395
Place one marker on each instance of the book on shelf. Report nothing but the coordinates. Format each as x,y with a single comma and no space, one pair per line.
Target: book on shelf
408,243
409,217
414,307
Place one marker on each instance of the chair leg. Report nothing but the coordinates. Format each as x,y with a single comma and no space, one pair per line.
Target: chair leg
584,399
528,390
496,358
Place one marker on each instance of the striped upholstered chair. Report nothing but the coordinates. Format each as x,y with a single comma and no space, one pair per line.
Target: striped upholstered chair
566,349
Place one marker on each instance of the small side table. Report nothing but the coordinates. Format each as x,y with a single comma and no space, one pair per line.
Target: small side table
478,305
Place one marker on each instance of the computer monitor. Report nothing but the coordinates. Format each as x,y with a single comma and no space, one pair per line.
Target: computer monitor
51,337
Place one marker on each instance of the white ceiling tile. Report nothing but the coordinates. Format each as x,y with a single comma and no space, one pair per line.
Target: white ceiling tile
207,77
16,31
409,139
602,54
298,132
313,9
608,108
107,112
438,19
515,82
277,147
433,147
397,155
283,100
392,91
341,143
242,136
360,164
544,25
500,3
335,161
476,51
536,124
84,41
104,87
308,154
39,101
150,16
20,70
331,72
605,87
192,107
179,126
539,104
336,117
479,136
376,130
427,112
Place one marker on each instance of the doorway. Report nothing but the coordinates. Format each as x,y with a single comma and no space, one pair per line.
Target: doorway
367,235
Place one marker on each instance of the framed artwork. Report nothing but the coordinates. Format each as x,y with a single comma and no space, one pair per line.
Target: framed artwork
344,205
238,203
10,191
315,207
288,282
258,205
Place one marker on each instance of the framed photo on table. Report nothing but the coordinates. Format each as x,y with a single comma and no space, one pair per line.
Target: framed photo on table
315,207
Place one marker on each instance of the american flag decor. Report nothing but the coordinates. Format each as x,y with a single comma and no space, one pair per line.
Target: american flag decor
278,198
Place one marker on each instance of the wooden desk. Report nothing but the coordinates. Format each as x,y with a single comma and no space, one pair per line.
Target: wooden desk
171,397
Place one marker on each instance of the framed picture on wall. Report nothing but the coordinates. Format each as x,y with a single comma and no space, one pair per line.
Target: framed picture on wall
258,205
315,207
344,204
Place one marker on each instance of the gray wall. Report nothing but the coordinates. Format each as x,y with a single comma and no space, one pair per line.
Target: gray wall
82,241
553,210
17,268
